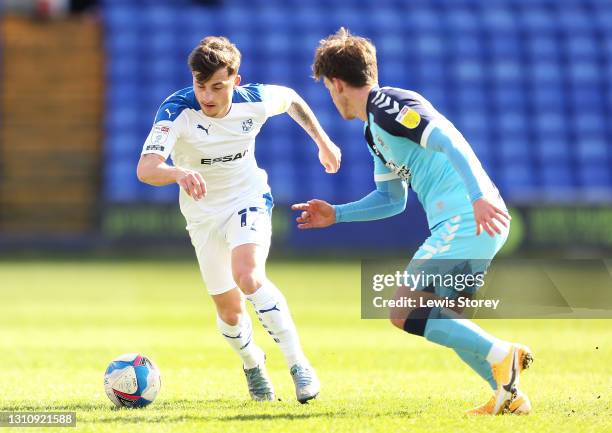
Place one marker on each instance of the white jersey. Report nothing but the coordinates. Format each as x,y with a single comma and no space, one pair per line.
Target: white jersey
221,149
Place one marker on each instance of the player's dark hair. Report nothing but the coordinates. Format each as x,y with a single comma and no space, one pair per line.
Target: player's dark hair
212,54
347,57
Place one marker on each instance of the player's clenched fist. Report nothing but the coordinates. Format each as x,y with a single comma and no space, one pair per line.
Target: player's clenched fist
193,183
315,214
330,156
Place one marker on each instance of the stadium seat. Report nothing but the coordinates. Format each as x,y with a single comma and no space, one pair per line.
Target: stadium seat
526,82
595,175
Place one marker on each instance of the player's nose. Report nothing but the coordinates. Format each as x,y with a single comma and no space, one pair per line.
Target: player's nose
207,98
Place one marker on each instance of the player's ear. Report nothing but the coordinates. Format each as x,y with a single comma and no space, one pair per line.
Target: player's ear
237,80
338,84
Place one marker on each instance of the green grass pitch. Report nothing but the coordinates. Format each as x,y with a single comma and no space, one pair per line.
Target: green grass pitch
62,322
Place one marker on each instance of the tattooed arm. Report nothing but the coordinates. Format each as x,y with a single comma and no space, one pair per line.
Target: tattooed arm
329,153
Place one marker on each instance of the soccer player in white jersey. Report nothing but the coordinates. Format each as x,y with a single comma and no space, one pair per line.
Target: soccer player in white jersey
209,129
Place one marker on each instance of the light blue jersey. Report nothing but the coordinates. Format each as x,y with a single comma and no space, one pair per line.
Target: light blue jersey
414,145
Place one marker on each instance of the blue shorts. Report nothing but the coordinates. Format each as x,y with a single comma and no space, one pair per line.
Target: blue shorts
452,252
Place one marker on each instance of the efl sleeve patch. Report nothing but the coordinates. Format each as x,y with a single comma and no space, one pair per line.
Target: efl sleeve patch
161,139
160,135
408,117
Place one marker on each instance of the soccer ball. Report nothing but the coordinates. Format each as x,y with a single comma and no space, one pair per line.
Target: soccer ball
132,380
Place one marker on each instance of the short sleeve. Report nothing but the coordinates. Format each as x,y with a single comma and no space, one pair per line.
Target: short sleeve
165,131
277,99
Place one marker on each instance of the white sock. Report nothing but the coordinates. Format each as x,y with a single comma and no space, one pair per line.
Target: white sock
499,350
240,338
273,313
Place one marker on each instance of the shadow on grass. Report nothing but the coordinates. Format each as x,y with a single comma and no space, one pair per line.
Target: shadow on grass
276,416
203,410
67,407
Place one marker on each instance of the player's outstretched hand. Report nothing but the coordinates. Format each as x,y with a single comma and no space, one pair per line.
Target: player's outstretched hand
193,183
485,215
315,214
330,156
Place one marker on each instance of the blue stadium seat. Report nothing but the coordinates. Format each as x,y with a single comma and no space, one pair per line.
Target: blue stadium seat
602,16
509,73
385,18
470,71
515,148
526,82
157,16
467,46
121,184
582,48
516,178
553,150
543,47
547,72
592,149
498,19
164,194
120,17
589,123
543,96
588,96
310,17
122,144
423,19
595,175
538,20
553,121
556,176
505,46
241,18
507,98
461,21
282,183
574,20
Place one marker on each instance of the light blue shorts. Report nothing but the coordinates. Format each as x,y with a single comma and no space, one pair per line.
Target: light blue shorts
451,253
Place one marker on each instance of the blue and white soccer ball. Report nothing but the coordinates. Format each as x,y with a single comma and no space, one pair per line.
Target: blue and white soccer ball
132,380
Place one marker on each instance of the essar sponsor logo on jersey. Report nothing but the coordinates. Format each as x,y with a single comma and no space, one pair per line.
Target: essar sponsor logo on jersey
226,158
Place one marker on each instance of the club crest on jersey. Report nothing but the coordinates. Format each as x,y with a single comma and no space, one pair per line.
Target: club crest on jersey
226,158
408,117
247,125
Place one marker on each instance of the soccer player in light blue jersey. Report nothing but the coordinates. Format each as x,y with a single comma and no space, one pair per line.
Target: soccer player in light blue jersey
414,146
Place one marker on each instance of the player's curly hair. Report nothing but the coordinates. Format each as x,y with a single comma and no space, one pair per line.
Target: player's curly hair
347,57
212,54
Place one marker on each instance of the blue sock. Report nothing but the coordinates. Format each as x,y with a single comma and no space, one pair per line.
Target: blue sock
479,365
445,327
